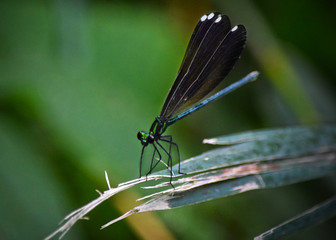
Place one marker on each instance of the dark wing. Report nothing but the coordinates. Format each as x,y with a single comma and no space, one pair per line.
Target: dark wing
208,34
212,52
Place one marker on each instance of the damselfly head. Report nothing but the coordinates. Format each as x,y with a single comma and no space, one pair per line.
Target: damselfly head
145,138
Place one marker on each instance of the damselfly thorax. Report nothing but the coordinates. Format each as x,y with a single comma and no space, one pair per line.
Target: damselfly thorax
155,132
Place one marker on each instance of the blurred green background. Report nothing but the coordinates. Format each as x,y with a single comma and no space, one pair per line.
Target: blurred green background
80,78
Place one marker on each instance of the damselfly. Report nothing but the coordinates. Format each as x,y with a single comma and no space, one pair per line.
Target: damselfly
212,52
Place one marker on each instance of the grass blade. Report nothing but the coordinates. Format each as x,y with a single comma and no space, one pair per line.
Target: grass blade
310,217
249,161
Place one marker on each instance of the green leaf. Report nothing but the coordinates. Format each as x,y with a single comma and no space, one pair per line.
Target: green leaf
312,216
256,160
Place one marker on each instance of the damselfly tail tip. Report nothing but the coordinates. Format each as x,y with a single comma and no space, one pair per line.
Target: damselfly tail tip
254,75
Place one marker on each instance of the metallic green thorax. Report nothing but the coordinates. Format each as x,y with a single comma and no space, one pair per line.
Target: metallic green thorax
156,130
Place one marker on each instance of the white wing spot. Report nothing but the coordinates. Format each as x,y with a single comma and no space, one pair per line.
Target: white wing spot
218,19
211,15
203,18
234,28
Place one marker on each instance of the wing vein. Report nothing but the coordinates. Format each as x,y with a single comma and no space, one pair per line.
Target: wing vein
191,63
210,59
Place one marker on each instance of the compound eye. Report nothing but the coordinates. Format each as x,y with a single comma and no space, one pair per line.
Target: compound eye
139,135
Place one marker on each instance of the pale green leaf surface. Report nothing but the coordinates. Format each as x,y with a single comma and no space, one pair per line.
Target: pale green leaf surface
266,145
278,158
